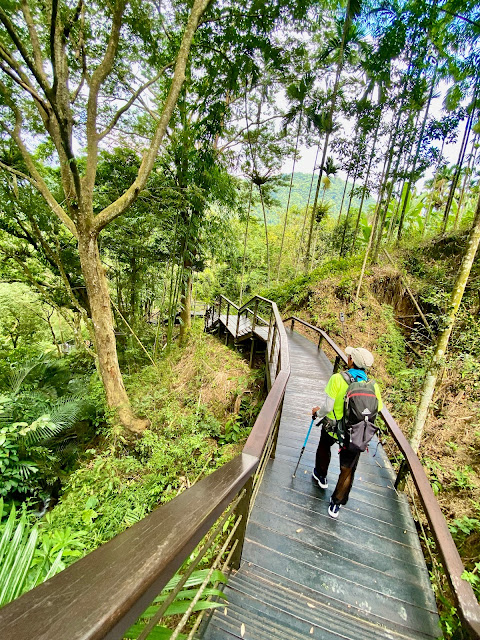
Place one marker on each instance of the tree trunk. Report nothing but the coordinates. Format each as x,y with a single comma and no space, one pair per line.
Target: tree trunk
381,225
468,175
417,152
346,26
289,195
367,177
242,278
312,217
266,233
101,312
382,184
443,338
300,246
461,157
430,204
347,216
343,197
186,303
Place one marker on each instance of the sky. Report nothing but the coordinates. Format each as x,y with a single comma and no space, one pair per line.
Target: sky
451,151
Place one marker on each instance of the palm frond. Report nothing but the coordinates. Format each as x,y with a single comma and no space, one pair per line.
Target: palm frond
17,550
16,377
41,429
67,411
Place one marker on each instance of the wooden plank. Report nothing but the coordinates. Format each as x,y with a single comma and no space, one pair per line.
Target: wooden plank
282,596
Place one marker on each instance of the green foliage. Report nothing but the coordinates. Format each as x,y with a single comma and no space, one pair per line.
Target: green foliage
20,317
391,344
299,196
26,448
464,478
296,293
435,473
120,482
41,424
28,557
181,603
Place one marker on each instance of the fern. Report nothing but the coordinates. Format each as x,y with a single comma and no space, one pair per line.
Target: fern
67,411
19,568
16,377
181,603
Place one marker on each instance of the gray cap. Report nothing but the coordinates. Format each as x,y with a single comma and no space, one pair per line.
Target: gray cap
362,358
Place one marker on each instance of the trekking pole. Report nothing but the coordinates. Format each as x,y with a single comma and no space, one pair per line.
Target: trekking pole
303,448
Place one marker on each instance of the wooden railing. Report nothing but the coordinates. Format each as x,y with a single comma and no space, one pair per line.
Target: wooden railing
103,594
258,316
468,606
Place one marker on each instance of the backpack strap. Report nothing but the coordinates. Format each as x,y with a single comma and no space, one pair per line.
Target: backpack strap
347,377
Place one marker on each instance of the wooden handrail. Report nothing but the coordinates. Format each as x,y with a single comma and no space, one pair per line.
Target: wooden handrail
465,598
100,596
104,593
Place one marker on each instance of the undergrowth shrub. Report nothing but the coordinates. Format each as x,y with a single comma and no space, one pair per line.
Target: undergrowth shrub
202,400
391,344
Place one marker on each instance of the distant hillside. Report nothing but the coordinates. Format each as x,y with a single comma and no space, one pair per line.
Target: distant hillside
299,197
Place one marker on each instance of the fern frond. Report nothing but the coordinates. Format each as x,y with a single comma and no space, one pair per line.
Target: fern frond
67,411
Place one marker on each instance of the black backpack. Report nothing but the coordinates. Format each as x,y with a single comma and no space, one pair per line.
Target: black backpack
360,409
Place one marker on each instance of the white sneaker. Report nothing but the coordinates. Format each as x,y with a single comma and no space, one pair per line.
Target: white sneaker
322,480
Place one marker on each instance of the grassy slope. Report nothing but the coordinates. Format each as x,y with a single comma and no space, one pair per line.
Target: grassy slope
190,397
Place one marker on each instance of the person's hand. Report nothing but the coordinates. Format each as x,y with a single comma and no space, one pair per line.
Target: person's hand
314,411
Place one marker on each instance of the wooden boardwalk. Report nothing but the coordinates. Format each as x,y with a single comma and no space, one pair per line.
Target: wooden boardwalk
244,327
304,575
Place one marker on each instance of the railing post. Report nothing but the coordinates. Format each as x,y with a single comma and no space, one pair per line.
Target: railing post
320,341
252,352
228,313
255,314
238,324
242,509
219,314
270,324
272,348
293,322
402,474
276,430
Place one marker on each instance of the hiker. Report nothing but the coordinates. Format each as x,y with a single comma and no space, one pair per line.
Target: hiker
331,413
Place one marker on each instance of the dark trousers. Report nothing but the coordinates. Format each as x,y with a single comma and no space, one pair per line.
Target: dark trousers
348,464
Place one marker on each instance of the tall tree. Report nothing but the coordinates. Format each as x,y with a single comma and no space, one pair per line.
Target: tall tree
348,33
297,93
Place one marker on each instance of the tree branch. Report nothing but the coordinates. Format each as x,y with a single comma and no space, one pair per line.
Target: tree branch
121,204
127,106
37,181
40,287
98,77
53,48
22,50
24,84
36,48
